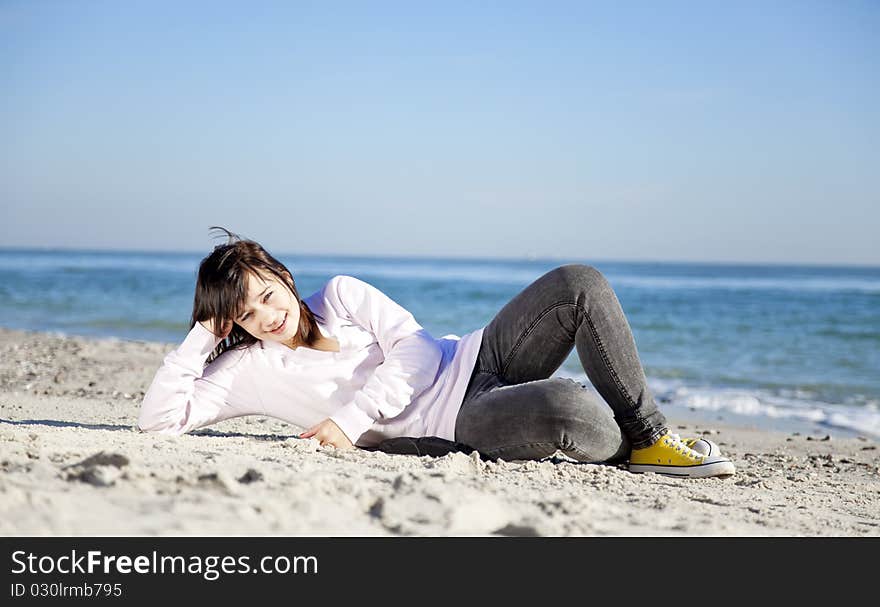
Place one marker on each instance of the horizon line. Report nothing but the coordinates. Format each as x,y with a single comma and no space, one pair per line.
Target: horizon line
402,256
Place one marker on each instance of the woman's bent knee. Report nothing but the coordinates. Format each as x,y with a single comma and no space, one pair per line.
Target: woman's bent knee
543,417
581,277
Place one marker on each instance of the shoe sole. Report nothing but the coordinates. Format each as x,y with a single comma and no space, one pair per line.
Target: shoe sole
723,468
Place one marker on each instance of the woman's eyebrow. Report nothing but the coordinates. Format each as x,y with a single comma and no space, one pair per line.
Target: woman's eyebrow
258,297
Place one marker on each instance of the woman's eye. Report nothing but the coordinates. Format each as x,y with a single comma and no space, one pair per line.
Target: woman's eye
268,295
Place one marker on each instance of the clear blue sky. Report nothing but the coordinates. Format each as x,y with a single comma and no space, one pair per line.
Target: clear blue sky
708,131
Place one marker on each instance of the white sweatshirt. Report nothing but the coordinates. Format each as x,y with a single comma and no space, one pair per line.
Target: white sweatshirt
390,378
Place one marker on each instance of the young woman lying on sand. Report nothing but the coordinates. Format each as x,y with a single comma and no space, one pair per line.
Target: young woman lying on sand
357,369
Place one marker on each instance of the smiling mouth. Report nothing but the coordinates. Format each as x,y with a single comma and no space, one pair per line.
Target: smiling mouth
282,327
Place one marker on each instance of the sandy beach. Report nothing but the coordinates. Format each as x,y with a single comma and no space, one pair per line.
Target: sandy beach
73,463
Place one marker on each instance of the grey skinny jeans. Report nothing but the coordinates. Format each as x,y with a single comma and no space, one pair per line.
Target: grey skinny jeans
513,409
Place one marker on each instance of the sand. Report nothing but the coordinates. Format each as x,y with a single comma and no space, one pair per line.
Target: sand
72,463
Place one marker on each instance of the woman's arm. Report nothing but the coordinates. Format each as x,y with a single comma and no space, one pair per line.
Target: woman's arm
186,395
412,355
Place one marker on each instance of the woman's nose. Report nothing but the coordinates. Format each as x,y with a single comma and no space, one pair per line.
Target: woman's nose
266,322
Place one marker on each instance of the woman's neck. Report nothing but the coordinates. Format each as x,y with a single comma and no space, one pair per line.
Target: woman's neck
325,344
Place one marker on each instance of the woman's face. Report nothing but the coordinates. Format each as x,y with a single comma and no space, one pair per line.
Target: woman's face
270,312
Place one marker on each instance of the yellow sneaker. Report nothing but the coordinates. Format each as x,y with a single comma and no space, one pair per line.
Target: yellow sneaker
703,446
672,456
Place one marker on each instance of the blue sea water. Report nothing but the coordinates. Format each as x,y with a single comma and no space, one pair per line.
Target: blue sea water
764,341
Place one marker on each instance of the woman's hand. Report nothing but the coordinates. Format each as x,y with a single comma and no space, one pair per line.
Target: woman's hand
328,433
210,325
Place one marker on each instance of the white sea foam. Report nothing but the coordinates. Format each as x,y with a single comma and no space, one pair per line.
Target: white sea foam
757,404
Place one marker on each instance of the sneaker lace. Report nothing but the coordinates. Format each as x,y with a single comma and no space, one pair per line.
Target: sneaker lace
675,441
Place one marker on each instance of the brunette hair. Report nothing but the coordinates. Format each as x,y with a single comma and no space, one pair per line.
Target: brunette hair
221,291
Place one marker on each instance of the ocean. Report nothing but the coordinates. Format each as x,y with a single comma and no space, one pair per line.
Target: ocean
762,342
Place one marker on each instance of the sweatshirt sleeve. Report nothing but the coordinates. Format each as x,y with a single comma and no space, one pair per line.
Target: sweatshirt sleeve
412,355
186,395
